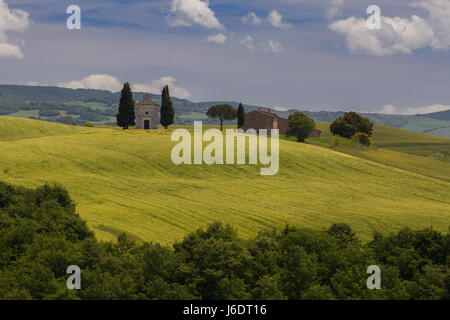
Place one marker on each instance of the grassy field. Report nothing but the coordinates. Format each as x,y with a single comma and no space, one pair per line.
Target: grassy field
124,181
18,129
25,114
415,152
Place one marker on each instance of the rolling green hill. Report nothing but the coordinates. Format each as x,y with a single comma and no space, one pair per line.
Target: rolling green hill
20,129
441,115
99,106
124,181
415,152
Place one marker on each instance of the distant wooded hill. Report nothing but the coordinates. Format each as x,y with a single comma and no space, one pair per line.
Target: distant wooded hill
100,107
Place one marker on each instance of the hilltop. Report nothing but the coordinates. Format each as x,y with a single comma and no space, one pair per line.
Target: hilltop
124,181
20,129
99,106
441,115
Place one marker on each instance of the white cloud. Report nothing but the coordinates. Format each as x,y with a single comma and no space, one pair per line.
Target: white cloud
10,50
157,85
273,46
268,46
439,20
280,108
334,9
427,109
400,35
188,12
390,109
276,20
397,35
218,38
248,42
95,81
15,21
110,83
252,18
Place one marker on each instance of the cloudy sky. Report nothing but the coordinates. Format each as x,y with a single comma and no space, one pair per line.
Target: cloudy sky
308,54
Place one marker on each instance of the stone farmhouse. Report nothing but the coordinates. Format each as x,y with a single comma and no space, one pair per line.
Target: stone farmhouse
146,113
259,119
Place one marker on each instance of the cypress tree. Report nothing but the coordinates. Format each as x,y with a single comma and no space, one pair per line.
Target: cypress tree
240,116
167,111
126,117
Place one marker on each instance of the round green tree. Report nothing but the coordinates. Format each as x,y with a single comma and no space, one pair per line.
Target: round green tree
222,112
351,123
300,126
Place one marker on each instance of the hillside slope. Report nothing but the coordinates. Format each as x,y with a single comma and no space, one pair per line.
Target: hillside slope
441,115
125,181
18,128
415,152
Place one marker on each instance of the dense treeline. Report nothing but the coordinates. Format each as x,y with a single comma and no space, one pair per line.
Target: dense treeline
55,94
50,109
41,235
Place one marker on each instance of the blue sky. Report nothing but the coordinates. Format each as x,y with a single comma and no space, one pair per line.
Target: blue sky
305,54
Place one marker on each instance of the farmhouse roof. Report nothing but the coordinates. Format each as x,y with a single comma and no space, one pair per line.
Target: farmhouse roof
269,113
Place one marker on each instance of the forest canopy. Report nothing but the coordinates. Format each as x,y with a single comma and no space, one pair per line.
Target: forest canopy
41,235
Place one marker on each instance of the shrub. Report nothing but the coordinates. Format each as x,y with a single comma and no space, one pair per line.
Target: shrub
88,124
362,138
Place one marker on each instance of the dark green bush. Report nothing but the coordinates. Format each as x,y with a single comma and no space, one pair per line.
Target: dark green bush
351,123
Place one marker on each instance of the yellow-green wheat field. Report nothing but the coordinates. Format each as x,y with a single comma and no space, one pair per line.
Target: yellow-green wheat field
125,181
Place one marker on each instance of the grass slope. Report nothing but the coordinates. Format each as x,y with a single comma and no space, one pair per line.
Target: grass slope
412,151
18,128
125,181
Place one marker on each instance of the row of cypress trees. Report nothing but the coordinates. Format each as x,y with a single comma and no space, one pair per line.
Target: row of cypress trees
126,116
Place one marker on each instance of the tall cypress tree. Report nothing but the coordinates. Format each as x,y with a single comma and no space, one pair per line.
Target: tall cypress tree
167,111
126,117
240,116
